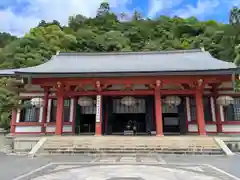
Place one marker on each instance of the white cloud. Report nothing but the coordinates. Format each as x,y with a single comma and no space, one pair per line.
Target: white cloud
49,10
157,6
236,2
201,9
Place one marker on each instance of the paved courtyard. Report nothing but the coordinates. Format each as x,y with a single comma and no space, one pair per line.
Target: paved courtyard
120,167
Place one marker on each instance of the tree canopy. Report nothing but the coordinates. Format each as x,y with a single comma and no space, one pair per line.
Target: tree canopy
111,32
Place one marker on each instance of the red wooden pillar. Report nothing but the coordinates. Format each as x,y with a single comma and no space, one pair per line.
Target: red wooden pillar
158,113
45,109
217,111
13,121
218,117
98,126
59,114
200,112
74,115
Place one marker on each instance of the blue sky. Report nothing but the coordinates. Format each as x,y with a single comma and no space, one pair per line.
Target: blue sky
18,16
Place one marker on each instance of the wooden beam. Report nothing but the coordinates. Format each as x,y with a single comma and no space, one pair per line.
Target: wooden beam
131,80
128,92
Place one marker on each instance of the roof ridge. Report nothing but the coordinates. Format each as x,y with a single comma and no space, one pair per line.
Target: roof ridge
127,52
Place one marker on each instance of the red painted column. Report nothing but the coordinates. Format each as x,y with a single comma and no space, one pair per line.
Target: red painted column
45,110
158,113
200,113
106,120
13,121
98,126
217,111
59,114
74,115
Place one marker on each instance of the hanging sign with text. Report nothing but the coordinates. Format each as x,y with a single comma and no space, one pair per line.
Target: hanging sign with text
98,108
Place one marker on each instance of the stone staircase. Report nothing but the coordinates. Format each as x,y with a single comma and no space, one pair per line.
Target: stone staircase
130,144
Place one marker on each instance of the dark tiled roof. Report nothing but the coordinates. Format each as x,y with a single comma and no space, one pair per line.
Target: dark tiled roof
130,62
9,72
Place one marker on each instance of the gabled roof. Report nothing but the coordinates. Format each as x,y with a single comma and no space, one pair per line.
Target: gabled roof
120,63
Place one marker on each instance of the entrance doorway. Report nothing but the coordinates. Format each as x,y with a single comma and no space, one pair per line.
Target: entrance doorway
128,119
132,122
171,122
85,120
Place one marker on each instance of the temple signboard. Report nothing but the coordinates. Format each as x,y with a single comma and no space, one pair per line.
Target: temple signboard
98,109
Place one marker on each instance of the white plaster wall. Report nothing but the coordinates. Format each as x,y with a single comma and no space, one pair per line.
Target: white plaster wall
28,129
211,128
192,128
208,128
221,113
49,110
188,109
52,128
231,128
72,106
67,128
213,109
41,114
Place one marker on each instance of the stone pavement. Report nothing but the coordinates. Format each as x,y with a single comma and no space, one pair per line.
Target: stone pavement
120,167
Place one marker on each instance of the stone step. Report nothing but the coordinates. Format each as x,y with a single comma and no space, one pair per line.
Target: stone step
109,151
143,145
121,144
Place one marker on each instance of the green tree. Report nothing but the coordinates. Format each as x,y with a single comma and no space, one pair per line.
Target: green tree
237,51
234,17
6,38
9,89
103,10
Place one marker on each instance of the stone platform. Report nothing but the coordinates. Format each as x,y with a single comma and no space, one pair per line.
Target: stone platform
129,167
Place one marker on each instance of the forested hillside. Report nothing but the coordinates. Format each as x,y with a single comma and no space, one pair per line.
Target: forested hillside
110,32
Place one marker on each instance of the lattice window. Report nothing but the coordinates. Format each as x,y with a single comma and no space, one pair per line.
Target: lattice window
30,113
206,106
119,108
232,112
193,109
66,110
88,109
169,109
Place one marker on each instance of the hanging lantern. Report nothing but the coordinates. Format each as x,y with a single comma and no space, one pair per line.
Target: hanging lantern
225,100
128,101
37,102
172,100
85,101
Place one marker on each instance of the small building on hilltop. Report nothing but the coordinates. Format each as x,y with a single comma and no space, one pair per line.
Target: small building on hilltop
157,93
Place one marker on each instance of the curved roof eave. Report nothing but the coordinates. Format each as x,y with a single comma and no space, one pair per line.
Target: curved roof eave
133,63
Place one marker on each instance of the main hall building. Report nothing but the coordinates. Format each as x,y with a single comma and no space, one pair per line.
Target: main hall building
153,93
